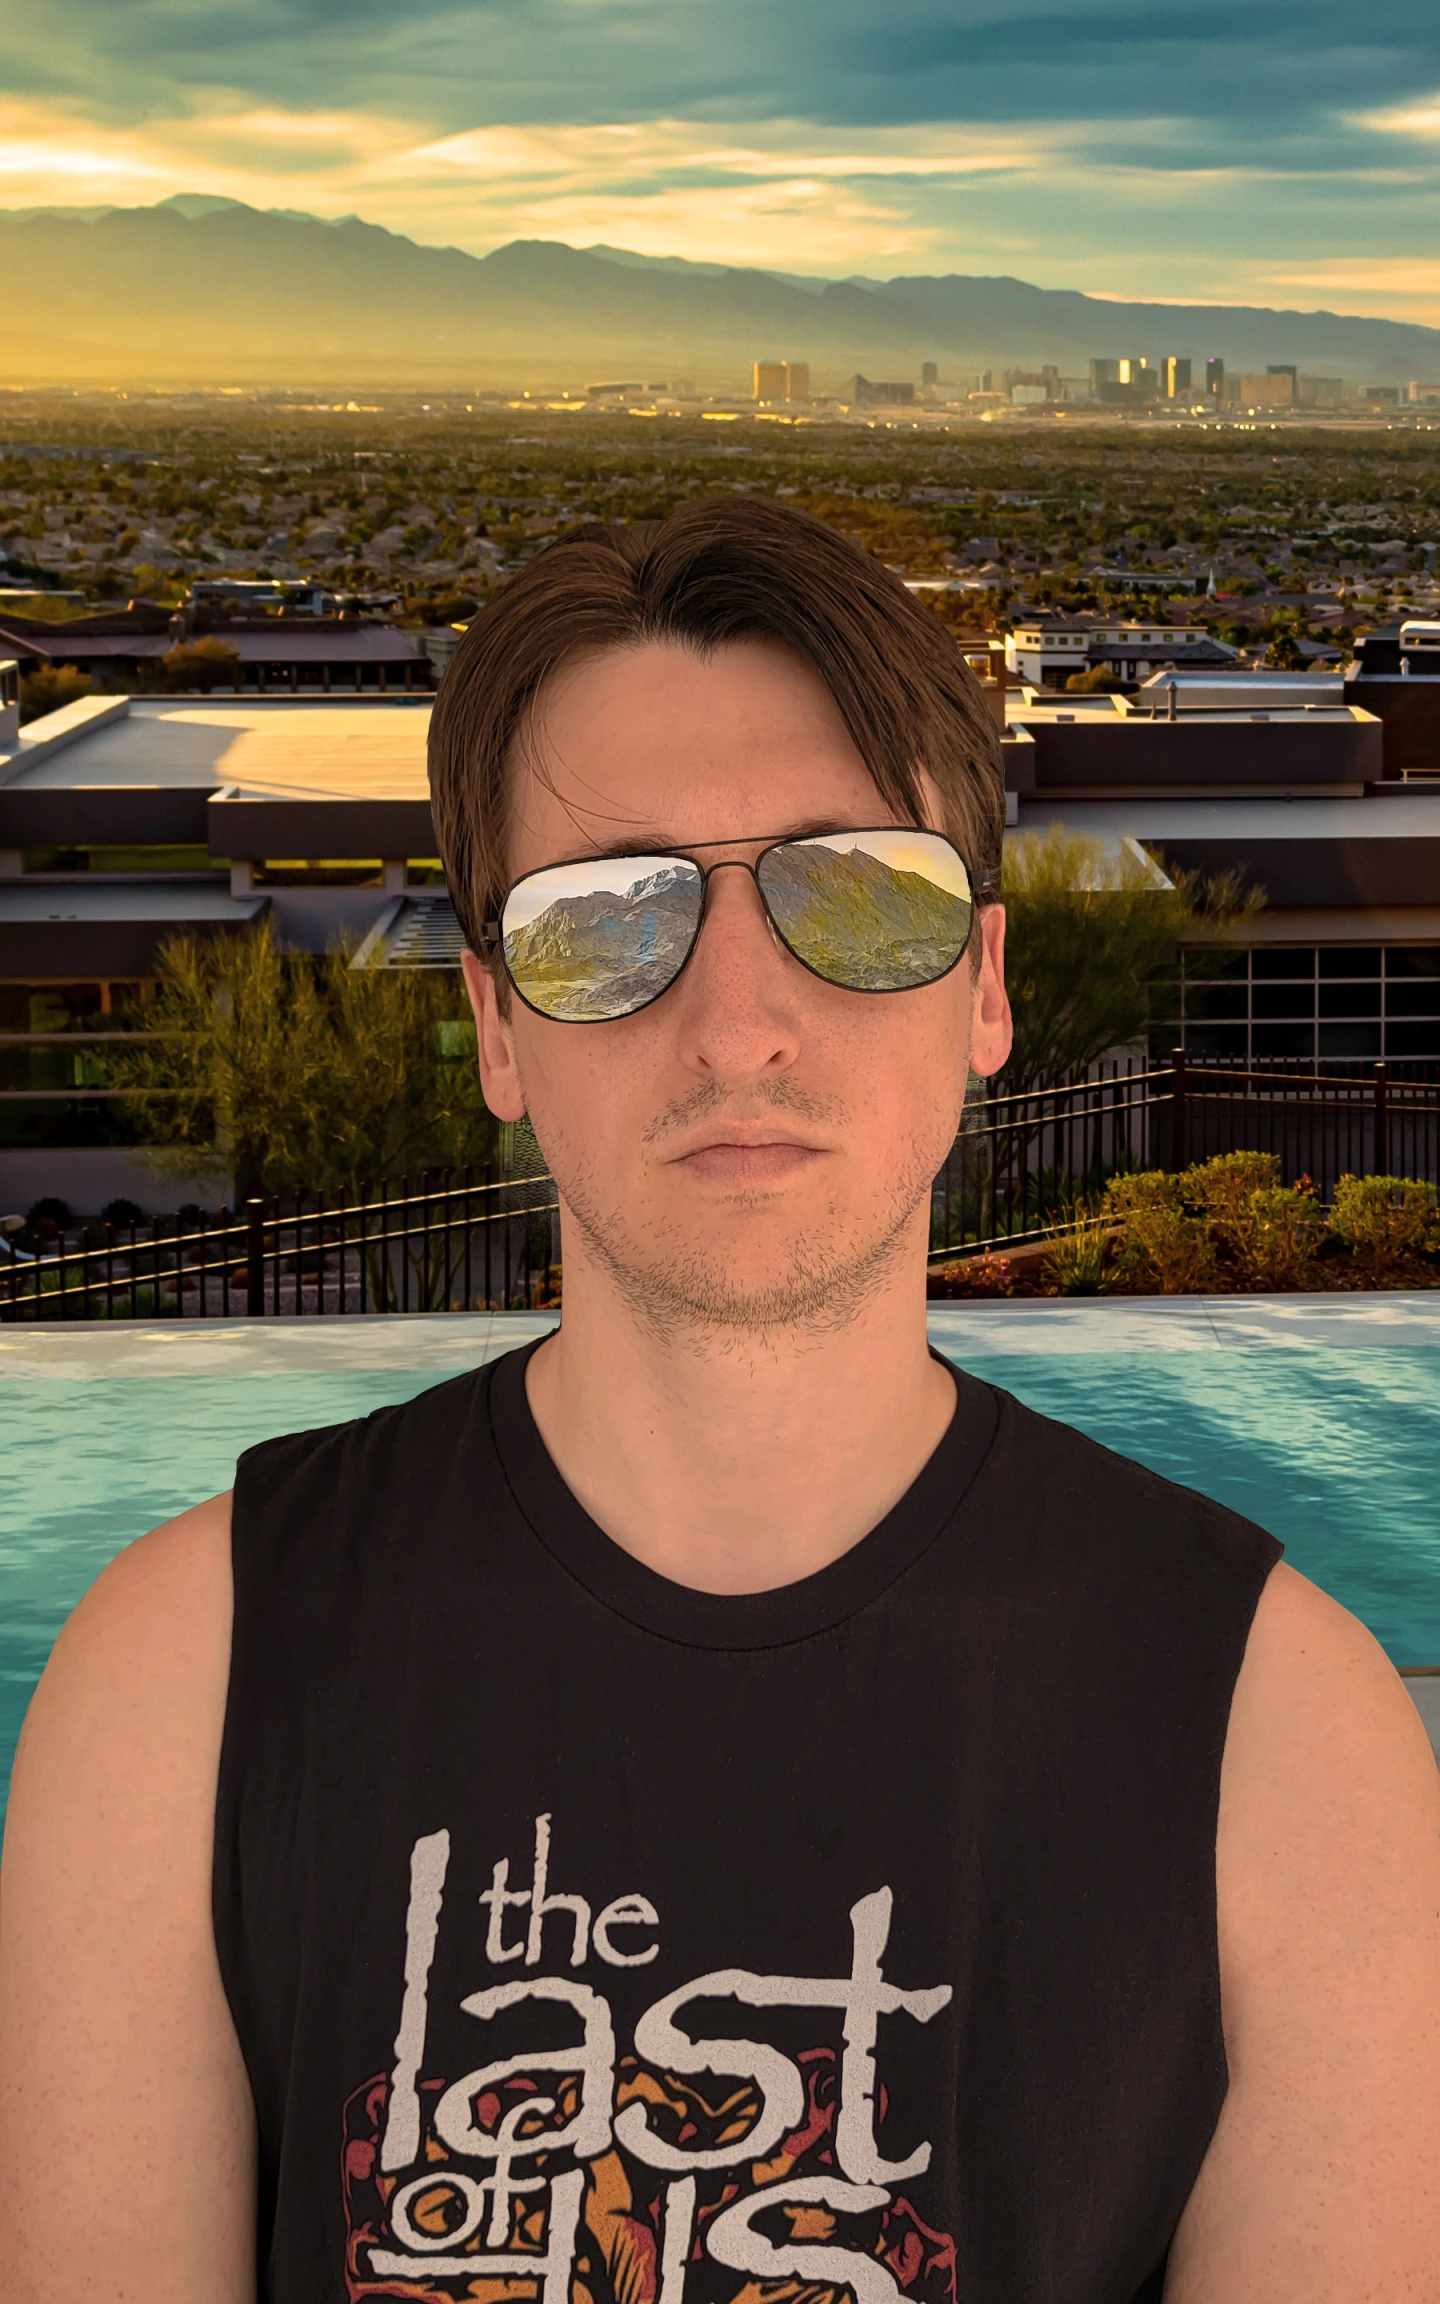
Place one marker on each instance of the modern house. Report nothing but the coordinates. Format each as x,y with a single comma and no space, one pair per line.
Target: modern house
1046,650
287,651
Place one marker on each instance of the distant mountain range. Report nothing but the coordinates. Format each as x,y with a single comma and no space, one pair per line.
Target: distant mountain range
204,291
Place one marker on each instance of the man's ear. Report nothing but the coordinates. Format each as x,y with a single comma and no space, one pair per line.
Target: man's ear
990,1028
499,1073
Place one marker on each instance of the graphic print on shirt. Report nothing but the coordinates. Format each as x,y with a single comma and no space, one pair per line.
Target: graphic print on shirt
667,2169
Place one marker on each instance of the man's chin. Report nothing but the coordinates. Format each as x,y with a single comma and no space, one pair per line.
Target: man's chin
813,1287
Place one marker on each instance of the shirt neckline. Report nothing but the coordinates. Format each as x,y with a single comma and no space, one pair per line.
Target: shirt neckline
803,1610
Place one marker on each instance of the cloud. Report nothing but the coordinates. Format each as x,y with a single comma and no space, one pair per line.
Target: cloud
1404,119
1131,149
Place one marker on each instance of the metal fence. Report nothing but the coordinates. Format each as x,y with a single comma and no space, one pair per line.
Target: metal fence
1021,1167
450,1244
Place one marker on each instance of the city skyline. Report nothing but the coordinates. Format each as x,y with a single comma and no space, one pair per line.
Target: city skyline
1132,152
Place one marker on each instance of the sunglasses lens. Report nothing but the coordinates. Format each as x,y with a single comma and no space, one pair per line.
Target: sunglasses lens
587,942
874,911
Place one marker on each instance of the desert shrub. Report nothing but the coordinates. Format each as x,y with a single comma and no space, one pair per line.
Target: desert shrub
1077,1265
1165,1252
1140,1192
1222,1186
1386,1219
1275,1236
1161,1247
1222,1223
1264,1233
122,1212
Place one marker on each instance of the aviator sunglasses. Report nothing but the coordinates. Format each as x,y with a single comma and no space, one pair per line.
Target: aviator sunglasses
871,911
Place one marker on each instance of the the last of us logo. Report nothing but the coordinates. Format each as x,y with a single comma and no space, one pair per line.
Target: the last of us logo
672,2169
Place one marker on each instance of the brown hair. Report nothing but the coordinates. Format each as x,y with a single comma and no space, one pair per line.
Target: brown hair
723,569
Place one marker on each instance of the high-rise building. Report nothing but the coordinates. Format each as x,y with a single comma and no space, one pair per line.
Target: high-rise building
797,380
769,380
1214,379
1275,389
1124,383
929,375
862,393
1175,378
1282,388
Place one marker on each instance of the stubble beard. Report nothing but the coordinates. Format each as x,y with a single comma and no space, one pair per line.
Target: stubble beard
686,1291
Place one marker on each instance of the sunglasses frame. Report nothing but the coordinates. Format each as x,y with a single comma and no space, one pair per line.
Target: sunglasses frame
492,935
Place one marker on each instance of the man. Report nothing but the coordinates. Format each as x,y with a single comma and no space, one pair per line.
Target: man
720,1807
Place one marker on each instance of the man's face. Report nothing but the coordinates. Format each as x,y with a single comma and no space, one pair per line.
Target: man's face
755,1149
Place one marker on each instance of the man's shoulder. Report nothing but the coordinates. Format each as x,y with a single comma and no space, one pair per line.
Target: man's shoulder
1320,2176
1320,1718
122,1736
161,1603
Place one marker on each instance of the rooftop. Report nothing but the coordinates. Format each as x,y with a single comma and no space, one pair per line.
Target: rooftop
276,747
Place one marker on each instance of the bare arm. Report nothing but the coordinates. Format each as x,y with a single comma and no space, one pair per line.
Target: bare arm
126,2129
1322,2183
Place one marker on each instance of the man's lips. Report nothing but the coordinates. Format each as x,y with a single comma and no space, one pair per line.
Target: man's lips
747,1160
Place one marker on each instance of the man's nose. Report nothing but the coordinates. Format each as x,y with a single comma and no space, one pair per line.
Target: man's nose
739,996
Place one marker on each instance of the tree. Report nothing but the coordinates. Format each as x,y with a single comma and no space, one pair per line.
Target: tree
201,664
49,687
297,1073
1284,653
1091,944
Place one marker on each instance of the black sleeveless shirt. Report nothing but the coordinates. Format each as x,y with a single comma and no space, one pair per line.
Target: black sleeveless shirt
592,1940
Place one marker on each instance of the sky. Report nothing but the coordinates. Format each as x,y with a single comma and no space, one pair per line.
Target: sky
1280,155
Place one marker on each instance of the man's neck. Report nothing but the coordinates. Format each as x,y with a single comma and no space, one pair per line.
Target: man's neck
733,1462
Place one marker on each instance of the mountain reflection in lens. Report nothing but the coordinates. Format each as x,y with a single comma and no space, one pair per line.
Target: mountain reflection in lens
872,911
588,942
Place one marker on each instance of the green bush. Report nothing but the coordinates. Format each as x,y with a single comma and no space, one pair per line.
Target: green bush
1276,1236
1164,1246
1387,1219
1222,1186
1221,1223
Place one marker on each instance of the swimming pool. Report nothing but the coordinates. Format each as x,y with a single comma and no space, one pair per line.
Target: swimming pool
1318,1417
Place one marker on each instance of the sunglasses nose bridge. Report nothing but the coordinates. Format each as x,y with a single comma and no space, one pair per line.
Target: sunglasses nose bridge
731,864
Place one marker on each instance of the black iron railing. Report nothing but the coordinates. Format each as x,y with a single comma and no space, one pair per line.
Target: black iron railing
450,1244
1022,1166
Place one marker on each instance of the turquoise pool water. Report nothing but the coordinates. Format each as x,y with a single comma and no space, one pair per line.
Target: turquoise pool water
1335,1446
